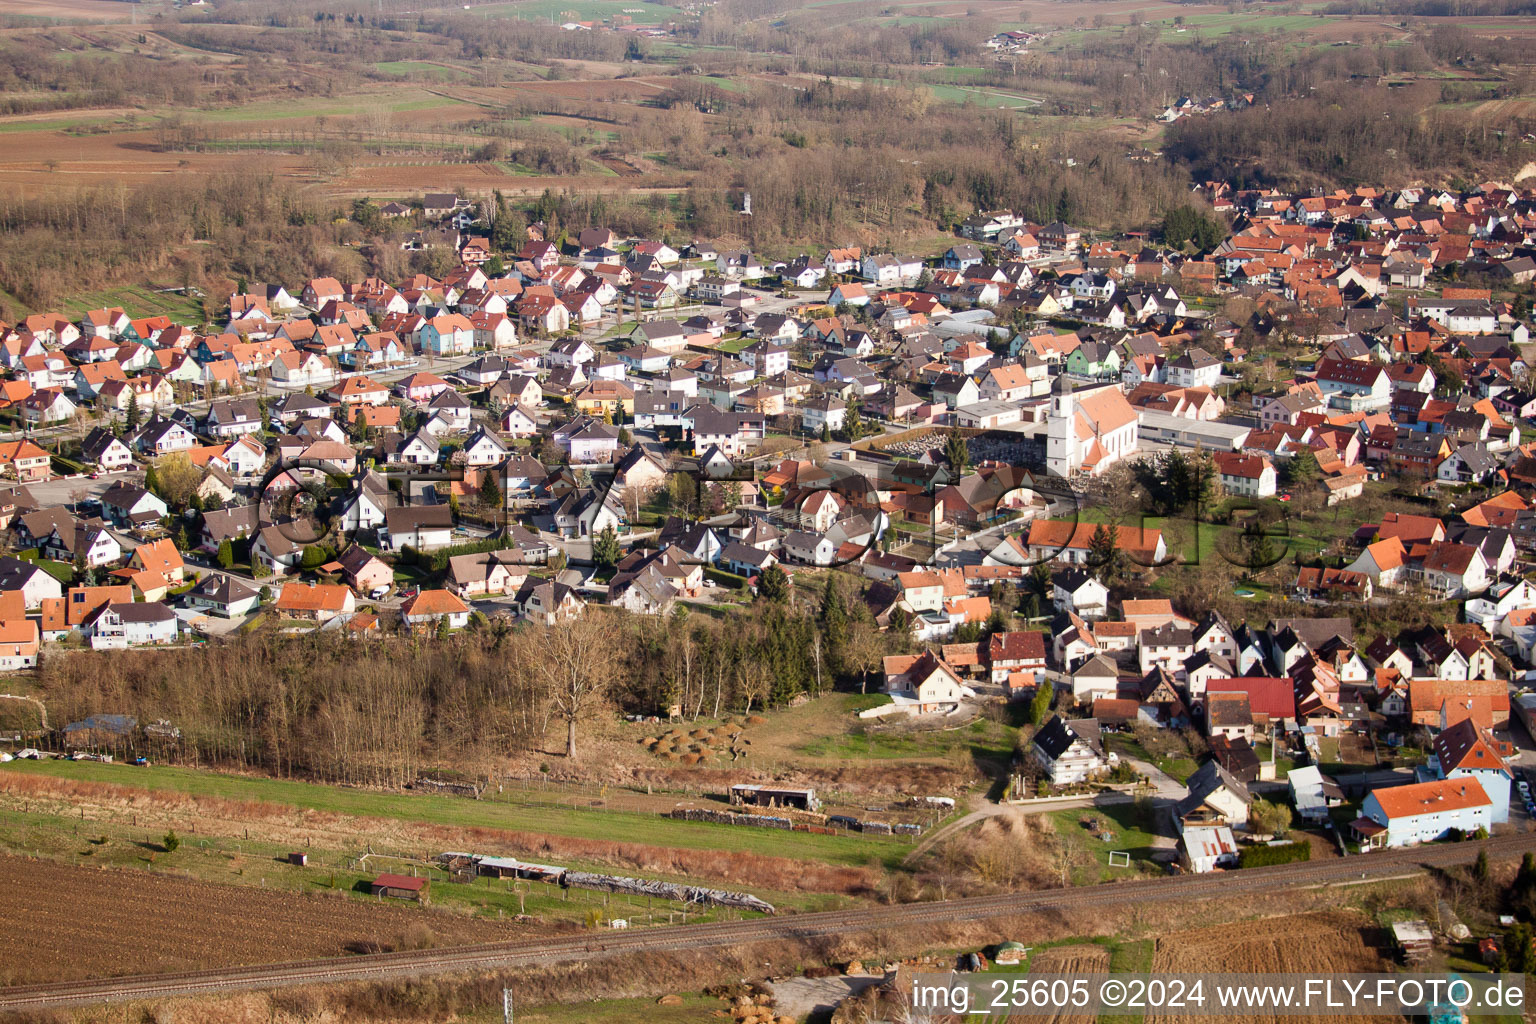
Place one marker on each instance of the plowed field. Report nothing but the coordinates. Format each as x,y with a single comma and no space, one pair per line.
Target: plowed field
61,923
1074,961
1306,943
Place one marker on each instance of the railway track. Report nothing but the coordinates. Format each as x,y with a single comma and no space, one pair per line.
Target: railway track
536,952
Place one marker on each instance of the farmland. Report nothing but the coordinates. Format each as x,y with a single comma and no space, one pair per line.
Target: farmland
128,922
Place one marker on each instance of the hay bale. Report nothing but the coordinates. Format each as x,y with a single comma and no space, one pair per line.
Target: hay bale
670,1000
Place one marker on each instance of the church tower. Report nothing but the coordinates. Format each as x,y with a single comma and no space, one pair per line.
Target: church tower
1061,438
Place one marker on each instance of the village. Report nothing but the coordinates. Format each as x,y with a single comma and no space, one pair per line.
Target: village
972,438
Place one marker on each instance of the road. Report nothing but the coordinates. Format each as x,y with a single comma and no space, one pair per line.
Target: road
542,952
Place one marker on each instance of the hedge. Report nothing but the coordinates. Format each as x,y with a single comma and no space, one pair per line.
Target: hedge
1264,856
728,579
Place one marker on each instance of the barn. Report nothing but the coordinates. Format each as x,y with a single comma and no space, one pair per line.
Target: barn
400,887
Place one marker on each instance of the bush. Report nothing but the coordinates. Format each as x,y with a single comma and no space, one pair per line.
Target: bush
171,841
1265,856
726,579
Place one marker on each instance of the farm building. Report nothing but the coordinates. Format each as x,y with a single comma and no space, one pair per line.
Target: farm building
770,796
400,887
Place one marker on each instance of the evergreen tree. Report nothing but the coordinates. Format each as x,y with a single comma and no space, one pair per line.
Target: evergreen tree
1480,869
833,616
1040,706
226,554
1104,552
490,491
773,584
1302,469
131,417
606,549
956,453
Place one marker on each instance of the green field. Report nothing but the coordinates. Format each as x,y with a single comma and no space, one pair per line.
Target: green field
137,301
420,68
395,100
531,814
576,10
982,97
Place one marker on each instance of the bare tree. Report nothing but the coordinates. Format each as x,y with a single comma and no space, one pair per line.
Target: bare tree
578,664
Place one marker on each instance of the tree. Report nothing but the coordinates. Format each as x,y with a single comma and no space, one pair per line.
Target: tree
170,841
1268,818
131,416
578,663
1104,552
1040,706
773,584
490,491
1302,469
833,615
313,557
1480,869
956,453
175,477
226,554
1186,224
606,549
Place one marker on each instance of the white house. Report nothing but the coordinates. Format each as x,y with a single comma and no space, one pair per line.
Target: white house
1071,751
132,624
1422,812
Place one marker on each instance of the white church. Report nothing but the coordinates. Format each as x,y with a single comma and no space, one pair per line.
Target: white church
1088,433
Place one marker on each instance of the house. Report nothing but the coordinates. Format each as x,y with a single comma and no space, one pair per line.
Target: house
1250,476
131,624
547,602
162,436
433,607
90,545
319,602
1466,750
224,595
1071,751
104,450
25,462
128,504
1009,654
1080,592
1422,812
35,584
20,641
1196,368
364,572
1215,797
486,573
422,527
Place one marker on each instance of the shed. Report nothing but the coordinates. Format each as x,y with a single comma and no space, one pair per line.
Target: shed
400,887
773,796
1413,938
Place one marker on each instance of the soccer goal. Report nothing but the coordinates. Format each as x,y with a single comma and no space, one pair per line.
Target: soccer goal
1119,859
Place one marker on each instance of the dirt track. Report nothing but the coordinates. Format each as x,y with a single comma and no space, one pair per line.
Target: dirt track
60,922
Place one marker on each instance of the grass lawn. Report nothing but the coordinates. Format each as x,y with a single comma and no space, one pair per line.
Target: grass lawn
527,814
1131,829
1172,757
731,346
614,1011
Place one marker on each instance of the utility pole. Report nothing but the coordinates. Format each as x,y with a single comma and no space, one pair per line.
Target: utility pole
506,1006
